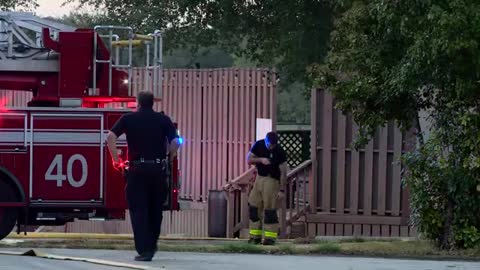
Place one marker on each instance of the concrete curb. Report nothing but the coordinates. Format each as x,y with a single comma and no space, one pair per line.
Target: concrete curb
109,236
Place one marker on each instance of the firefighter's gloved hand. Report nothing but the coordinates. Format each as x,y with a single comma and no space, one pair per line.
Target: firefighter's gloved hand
265,161
230,187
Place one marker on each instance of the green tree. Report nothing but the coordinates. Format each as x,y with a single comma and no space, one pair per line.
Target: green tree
391,60
18,5
174,57
293,106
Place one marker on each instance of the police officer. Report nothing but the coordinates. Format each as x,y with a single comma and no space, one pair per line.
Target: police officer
148,134
271,162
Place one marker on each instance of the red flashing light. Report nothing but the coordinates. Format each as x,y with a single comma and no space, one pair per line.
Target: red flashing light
3,104
122,165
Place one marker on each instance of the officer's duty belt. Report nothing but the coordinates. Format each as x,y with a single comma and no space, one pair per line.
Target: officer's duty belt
148,161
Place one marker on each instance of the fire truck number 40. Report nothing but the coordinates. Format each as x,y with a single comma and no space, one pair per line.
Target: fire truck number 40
59,176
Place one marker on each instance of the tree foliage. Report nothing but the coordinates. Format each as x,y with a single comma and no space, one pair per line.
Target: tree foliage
390,60
19,5
443,178
176,57
288,35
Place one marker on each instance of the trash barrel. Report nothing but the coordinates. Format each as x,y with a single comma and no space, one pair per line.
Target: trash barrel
217,214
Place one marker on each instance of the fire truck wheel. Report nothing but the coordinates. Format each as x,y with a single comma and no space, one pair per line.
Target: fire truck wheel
8,216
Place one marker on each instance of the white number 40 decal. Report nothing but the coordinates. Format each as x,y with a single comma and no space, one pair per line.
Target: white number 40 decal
57,163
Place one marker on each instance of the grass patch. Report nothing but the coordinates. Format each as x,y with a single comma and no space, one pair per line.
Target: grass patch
240,248
188,248
406,249
326,248
287,249
353,240
396,249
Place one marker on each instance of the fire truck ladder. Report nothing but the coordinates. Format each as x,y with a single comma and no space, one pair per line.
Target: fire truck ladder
133,40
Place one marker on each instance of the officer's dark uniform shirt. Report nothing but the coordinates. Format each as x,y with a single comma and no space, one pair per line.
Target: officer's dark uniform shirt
276,156
146,132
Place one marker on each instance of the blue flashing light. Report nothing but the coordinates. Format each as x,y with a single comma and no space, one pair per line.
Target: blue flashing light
180,140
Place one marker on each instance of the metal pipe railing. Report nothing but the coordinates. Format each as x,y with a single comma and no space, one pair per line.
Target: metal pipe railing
154,40
96,61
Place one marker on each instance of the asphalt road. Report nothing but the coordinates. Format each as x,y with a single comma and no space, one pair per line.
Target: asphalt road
8,262
197,261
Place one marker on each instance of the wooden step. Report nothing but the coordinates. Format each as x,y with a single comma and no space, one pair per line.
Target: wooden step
297,230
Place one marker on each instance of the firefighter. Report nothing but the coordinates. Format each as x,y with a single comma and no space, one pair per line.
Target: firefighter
271,162
149,135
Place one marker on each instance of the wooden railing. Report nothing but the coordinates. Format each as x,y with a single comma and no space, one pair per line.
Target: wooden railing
293,208
296,206
237,202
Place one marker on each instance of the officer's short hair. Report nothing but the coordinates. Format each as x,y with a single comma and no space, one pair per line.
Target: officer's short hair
272,137
145,99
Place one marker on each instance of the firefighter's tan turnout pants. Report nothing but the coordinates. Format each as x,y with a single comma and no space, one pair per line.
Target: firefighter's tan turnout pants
263,208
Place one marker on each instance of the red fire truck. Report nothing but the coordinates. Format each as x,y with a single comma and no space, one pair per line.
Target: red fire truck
54,163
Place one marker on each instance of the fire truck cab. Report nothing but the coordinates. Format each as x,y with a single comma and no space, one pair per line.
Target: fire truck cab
55,166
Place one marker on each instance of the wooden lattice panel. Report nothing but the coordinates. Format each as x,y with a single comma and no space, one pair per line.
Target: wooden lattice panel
297,146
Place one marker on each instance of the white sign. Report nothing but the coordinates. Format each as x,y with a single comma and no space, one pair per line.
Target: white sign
57,163
264,125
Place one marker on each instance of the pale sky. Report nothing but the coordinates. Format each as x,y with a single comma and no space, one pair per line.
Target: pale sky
53,8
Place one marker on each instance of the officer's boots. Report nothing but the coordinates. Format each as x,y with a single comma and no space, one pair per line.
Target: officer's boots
268,242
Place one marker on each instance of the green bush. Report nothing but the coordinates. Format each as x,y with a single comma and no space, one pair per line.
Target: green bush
442,177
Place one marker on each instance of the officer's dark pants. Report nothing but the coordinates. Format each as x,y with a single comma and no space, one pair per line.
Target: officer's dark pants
146,192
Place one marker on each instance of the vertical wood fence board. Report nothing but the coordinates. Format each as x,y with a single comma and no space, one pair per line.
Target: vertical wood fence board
205,177
208,80
312,186
382,172
321,229
339,230
357,229
385,230
330,229
225,122
231,117
396,183
348,230
326,158
341,163
395,231
368,180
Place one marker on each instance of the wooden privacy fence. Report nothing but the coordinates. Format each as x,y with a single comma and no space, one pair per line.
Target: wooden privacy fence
216,111
355,192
